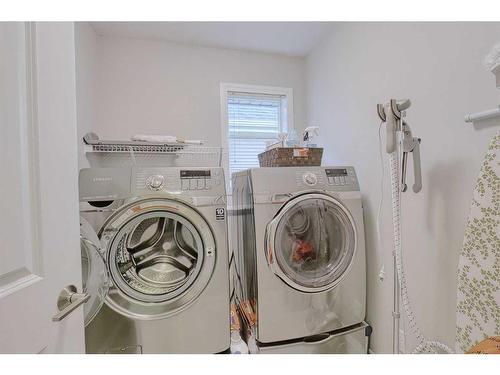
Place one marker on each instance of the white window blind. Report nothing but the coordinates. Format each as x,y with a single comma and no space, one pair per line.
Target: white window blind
254,120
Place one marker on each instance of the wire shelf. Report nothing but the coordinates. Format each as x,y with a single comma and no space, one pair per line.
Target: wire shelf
101,153
135,148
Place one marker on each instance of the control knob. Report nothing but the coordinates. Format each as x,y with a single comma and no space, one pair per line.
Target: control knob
155,182
310,179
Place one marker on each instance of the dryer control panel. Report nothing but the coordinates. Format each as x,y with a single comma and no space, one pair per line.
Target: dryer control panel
329,178
340,176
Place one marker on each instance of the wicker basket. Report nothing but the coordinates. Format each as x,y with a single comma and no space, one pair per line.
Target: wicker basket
291,157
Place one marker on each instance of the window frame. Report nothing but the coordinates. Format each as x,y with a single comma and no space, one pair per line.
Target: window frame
225,89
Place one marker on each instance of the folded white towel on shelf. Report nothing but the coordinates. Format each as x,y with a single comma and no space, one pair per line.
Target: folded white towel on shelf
163,139
154,138
192,141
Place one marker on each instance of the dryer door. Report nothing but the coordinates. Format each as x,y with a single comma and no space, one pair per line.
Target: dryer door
95,278
160,254
311,242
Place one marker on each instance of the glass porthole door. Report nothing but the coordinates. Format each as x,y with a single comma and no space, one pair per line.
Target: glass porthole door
157,257
95,278
160,255
311,242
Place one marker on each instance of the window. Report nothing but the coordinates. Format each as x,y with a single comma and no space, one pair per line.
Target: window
253,116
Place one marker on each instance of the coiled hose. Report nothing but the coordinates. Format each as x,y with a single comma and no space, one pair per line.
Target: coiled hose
424,345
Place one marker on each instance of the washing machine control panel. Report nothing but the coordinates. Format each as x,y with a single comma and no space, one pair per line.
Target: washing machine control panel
177,179
198,179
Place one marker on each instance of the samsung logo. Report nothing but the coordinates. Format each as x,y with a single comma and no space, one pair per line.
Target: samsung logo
102,179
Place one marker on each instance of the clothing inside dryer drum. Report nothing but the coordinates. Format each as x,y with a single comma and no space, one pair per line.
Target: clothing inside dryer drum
155,254
314,242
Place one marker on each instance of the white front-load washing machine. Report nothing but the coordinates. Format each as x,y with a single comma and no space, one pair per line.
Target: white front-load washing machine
301,250
155,260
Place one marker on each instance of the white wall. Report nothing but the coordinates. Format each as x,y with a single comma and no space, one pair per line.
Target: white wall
438,66
86,79
155,87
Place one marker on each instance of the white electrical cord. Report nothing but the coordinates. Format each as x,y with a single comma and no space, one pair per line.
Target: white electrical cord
424,345
381,202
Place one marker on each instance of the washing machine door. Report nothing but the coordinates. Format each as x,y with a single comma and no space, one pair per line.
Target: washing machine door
95,277
311,242
160,255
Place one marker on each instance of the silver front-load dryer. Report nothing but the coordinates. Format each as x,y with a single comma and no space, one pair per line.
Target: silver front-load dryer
301,250
154,257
